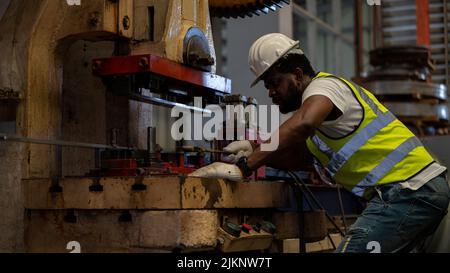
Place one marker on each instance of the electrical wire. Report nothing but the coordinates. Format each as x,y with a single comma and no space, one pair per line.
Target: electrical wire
302,184
341,205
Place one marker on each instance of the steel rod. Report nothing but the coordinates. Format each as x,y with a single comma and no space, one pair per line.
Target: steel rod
12,138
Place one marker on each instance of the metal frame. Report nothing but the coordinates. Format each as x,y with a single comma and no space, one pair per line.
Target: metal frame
310,14
315,24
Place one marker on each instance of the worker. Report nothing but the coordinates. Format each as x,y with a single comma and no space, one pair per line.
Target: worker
355,142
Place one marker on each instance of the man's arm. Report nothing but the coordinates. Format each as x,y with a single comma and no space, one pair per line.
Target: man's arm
295,131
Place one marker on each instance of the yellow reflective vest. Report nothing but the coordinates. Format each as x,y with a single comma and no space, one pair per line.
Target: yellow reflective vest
381,150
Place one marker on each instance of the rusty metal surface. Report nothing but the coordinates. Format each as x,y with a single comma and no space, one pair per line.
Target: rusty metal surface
407,62
419,56
106,231
207,193
101,231
164,192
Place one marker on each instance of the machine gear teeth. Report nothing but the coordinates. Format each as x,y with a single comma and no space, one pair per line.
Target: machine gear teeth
244,8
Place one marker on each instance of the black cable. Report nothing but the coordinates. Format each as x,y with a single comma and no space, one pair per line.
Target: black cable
331,241
316,201
299,194
341,204
297,186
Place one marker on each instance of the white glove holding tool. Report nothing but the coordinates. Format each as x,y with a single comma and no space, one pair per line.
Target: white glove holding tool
237,150
219,170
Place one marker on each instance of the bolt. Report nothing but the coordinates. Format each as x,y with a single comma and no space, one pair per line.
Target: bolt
94,19
97,65
143,62
126,22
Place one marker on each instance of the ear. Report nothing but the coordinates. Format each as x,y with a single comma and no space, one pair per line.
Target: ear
298,72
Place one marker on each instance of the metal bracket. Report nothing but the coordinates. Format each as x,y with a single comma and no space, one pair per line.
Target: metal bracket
96,186
139,185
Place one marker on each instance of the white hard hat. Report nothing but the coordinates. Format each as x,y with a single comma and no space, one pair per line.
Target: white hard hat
267,50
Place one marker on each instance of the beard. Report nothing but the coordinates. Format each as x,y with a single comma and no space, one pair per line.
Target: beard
292,101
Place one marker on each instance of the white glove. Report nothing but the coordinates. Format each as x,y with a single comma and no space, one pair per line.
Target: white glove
237,150
219,170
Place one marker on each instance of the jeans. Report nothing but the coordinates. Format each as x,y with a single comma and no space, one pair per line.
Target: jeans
397,219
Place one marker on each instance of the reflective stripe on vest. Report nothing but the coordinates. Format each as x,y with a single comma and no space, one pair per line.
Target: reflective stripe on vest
337,160
386,165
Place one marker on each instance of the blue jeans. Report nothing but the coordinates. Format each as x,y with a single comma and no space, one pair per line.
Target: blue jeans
398,220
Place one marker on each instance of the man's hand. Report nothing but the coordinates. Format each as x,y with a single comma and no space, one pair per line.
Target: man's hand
219,170
237,150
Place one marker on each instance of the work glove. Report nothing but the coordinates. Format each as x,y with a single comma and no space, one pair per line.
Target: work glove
219,170
237,150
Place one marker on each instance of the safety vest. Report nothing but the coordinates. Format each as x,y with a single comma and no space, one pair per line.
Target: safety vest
381,150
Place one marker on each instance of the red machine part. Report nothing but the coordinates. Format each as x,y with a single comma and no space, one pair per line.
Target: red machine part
129,167
246,228
120,167
180,169
127,65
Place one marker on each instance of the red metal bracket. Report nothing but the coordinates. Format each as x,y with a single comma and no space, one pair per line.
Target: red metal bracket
127,65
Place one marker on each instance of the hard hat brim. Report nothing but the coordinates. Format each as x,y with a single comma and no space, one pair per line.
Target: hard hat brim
258,78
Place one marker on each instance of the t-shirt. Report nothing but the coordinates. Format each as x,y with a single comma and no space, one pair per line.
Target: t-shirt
352,113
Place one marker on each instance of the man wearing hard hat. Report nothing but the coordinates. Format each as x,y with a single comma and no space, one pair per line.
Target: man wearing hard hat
355,141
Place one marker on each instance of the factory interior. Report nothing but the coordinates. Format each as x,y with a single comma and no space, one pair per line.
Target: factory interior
88,158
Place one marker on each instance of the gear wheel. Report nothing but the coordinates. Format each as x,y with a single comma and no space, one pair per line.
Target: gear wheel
244,8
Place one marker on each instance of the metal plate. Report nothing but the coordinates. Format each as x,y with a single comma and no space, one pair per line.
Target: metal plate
399,73
407,109
438,91
418,56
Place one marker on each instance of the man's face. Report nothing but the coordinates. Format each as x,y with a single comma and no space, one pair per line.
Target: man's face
285,89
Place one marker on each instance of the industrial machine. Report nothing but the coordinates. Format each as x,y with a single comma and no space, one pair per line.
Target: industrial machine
86,88
401,79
